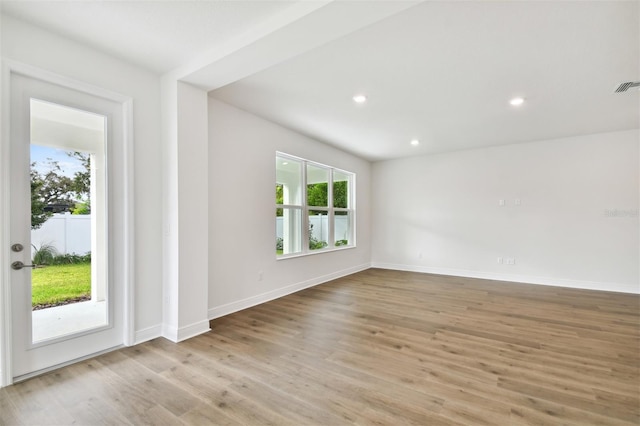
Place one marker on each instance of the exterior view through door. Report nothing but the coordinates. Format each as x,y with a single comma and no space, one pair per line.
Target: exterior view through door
68,224
67,214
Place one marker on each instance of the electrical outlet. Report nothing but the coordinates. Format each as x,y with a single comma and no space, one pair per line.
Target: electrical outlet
260,275
511,261
500,260
419,255
501,202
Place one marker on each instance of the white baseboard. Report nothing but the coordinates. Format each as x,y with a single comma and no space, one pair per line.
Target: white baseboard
229,308
183,333
148,333
525,279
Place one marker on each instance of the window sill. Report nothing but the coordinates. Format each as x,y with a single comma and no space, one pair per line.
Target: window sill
314,252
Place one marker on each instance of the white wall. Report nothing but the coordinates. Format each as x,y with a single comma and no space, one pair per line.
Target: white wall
441,213
185,202
242,150
30,45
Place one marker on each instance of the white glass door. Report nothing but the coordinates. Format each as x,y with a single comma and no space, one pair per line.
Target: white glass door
66,304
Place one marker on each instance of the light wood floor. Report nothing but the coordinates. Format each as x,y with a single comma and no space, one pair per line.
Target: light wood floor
377,347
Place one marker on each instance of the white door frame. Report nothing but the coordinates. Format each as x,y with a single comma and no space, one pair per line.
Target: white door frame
8,69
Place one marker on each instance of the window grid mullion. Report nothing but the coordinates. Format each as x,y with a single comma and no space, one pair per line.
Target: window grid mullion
330,232
305,210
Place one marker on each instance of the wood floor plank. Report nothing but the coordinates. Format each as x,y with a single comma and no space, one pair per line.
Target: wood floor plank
627,413
9,415
374,348
35,403
149,384
88,406
206,414
545,369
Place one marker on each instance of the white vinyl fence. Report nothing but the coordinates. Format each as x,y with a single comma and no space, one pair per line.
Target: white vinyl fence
321,227
69,234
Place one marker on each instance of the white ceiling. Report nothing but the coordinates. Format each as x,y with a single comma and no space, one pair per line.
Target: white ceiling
442,72
157,35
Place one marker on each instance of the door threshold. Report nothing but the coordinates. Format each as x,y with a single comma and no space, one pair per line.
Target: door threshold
33,374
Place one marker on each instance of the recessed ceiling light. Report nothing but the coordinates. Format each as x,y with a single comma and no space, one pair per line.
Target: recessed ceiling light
415,142
516,101
360,99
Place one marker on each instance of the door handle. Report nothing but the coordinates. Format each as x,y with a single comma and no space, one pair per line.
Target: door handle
17,265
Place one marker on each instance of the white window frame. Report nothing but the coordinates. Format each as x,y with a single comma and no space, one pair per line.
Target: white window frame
304,209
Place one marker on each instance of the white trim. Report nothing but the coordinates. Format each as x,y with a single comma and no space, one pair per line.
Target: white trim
193,330
147,334
5,288
311,253
50,77
10,67
170,332
229,308
183,333
129,334
524,279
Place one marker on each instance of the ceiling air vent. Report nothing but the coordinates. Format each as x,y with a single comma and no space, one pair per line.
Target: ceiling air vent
626,86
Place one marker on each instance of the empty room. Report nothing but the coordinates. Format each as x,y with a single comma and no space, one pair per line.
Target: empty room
325,212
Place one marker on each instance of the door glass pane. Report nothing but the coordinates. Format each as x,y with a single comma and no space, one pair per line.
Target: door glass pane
68,221
342,228
318,229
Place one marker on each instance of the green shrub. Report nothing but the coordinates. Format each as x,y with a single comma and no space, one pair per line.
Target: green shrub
314,243
81,208
71,259
44,254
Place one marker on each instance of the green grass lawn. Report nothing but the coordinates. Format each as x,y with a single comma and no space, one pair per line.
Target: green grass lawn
56,283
